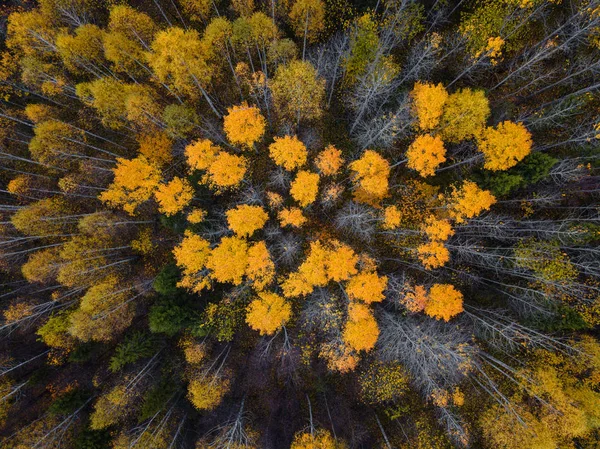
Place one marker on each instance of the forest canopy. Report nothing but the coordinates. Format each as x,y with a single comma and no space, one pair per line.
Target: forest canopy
298,224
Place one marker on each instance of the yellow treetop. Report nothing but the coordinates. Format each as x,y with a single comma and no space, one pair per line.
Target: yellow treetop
433,254
444,302
341,263
228,260
469,201
308,18
370,173
329,161
226,172
206,393
245,219
268,313
156,147
261,269
292,216
196,216
244,125
358,311
321,439
416,299
174,196
392,217
367,286
493,49
201,154
465,114
298,92
428,104
361,335
274,199
134,183
191,255
426,154
505,145
288,152
305,187
438,229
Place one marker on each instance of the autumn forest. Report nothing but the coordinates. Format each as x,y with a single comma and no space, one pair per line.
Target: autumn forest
299,224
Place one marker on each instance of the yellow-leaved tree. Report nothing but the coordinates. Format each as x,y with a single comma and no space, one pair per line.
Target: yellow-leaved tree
426,154
367,287
437,229
174,196
305,187
268,313
135,182
505,145
428,102
228,260
225,172
329,161
468,201
245,219
370,174
464,116
201,154
319,439
288,152
191,256
443,302
291,216
361,330
244,125
297,91
433,254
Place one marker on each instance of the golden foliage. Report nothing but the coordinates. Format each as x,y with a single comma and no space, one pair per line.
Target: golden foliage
308,19
465,114
437,229
428,102
191,255
174,196
426,154
444,302
156,147
135,182
268,313
291,216
320,439
228,260
245,219
433,254
288,152
297,92
468,201
415,299
206,393
196,216
381,383
244,125
370,173
334,261
261,269
392,217
201,154
367,286
226,171
505,145
361,335
304,187
329,161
